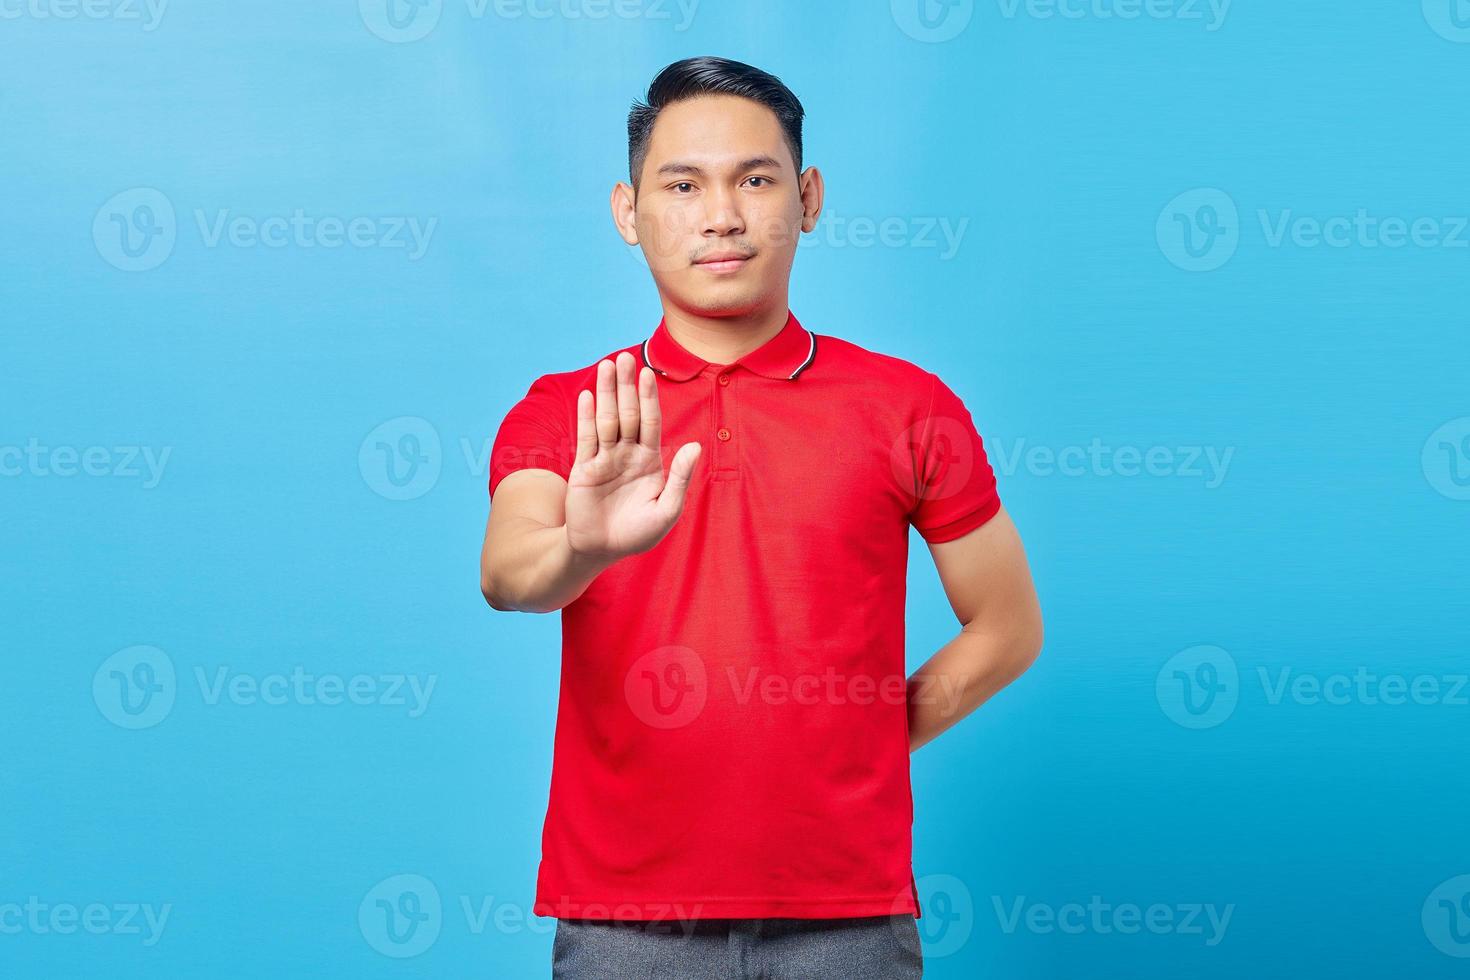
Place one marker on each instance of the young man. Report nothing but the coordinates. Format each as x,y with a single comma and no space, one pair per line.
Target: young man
730,787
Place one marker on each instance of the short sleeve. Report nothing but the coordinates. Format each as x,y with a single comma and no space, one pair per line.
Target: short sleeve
955,489
535,435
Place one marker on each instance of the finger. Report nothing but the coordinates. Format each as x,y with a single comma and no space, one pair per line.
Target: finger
586,427
650,422
607,405
671,500
627,398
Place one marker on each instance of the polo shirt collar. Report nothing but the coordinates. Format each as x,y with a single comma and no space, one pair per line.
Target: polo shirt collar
783,357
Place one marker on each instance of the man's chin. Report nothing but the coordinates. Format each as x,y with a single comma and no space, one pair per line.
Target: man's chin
725,302
712,298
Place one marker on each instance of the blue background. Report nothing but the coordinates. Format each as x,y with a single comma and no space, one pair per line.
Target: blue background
1072,310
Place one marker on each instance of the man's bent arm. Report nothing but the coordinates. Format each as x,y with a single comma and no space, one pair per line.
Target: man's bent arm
526,564
989,586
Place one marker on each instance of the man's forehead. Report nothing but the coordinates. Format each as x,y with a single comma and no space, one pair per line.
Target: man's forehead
716,133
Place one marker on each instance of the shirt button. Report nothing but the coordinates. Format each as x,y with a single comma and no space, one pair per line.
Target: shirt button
724,434
724,379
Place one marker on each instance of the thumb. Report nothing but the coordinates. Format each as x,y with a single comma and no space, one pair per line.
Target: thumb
671,500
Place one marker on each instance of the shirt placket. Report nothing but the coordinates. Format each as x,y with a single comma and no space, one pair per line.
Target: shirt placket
725,417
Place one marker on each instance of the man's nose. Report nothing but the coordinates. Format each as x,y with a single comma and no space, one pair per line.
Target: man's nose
722,214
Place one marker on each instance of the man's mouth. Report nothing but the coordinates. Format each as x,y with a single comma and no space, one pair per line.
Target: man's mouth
723,261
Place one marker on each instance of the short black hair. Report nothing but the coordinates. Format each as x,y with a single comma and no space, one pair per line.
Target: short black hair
708,75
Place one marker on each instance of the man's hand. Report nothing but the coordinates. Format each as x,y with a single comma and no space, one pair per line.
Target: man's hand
548,538
618,502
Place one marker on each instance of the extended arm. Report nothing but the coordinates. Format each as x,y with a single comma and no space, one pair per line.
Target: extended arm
527,563
548,538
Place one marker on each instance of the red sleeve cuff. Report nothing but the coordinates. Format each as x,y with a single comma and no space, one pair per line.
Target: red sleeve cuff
963,525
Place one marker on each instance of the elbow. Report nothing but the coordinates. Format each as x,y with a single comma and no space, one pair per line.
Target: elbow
1030,632
498,599
1029,641
492,596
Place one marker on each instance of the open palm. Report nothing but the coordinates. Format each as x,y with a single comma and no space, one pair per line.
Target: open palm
618,500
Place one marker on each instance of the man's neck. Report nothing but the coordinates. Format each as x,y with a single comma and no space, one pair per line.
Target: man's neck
724,340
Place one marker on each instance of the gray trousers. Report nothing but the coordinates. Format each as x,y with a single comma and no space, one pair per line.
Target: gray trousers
883,947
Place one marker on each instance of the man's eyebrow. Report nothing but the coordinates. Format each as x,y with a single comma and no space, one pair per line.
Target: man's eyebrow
752,163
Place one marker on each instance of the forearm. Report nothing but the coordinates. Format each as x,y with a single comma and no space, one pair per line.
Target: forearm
964,674
536,570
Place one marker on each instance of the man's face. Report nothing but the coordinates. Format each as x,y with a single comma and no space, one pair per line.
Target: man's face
719,206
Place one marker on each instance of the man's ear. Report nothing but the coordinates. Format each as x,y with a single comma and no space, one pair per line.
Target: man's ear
622,212
811,197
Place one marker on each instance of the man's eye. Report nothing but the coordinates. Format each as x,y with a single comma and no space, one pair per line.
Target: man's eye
765,180
683,184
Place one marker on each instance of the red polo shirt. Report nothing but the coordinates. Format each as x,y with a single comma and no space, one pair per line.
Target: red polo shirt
732,734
